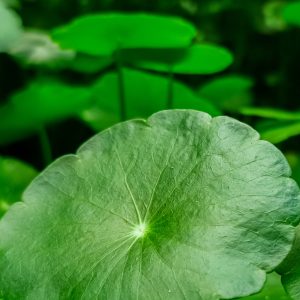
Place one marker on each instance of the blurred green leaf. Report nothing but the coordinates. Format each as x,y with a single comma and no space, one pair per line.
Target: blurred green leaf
229,92
38,104
103,34
198,59
291,13
272,290
278,131
145,94
270,113
10,27
14,178
89,64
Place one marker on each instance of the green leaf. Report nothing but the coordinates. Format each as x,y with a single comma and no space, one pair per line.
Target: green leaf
273,290
270,113
290,269
145,94
89,64
278,131
198,59
229,92
14,178
103,34
40,103
180,206
291,13
10,27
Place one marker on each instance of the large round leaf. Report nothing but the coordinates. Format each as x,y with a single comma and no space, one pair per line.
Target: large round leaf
198,59
103,34
145,94
180,206
14,178
38,104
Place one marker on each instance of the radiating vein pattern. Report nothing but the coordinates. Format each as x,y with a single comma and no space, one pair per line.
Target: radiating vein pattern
181,206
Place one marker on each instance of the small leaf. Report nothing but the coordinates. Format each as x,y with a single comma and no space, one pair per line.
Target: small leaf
198,59
272,290
270,113
103,34
278,131
180,206
145,94
14,178
229,92
291,13
10,27
38,104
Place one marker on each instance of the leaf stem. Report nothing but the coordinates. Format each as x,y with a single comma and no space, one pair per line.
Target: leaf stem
170,98
45,146
121,86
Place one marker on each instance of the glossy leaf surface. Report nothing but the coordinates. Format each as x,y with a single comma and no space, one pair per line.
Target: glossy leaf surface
103,34
180,206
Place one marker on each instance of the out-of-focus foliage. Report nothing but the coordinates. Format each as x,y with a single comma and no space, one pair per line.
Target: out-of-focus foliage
42,102
104,34
230,92
142,99
10,29
197,59
14,178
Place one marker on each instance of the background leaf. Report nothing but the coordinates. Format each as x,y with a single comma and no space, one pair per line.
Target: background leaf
38,104
14,178
103,34
229,92
198,59
145,93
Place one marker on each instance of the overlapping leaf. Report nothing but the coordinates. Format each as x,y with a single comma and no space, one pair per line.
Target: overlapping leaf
180,206
145,94
197,59
103,34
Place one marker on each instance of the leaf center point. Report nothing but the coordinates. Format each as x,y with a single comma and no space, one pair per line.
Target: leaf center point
140,230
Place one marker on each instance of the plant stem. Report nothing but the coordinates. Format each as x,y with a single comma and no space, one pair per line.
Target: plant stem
121,86
45,146
170,99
